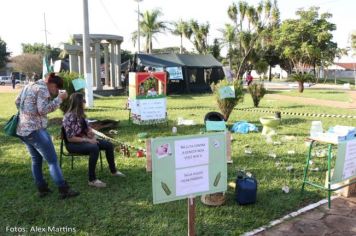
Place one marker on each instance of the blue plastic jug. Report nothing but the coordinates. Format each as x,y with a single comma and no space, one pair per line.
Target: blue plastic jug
246,190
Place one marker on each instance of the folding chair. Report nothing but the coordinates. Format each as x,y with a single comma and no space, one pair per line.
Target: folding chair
66,153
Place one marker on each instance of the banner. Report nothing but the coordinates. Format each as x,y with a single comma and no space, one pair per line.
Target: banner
45,67
186,166
175,73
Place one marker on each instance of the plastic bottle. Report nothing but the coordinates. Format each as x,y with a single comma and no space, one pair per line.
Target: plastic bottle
316,129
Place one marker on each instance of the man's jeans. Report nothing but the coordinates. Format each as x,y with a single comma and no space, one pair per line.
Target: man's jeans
40,146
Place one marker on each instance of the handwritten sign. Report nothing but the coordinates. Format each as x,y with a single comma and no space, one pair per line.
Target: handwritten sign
152,109
188,165
345,166
192,152
350,160
143,110
192,180
227,92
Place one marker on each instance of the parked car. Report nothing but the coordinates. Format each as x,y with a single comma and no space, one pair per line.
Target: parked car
6,80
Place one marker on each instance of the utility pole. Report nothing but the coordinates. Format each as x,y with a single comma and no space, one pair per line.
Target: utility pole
45,27
138,25
86,57
45,59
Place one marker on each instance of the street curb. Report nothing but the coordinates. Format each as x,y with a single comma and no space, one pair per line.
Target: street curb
287,217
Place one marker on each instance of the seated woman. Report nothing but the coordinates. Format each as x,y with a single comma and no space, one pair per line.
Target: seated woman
81,139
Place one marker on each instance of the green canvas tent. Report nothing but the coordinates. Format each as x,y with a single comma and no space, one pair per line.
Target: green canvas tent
199,71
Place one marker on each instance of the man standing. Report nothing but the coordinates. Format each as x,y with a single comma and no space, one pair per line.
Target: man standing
13,81
249,78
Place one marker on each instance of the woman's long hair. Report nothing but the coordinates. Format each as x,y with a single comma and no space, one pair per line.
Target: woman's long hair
76,101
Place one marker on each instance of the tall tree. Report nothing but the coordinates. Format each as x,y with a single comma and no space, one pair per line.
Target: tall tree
228,40
150,25
28,63
250,24
307,40
169,50
64,54
199,36
353,42
215,49
268,51
182,29
126,55
41,49
232,12
4,54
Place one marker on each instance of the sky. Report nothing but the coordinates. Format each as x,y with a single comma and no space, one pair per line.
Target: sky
22,21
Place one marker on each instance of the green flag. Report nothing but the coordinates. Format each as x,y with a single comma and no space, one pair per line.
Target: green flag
46,68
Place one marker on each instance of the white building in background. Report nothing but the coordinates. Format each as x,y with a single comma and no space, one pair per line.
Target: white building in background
277,72
341,70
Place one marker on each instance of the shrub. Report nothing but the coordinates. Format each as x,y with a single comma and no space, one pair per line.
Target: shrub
227,105
68,86
257,91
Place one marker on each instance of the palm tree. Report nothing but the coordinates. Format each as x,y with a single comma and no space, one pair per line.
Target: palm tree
242,11
229,38
353,42
232,13
182,29
252,16
250,24
64,54
200,35
149,26
275,15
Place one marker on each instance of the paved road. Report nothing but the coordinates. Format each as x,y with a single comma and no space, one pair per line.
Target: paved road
8,89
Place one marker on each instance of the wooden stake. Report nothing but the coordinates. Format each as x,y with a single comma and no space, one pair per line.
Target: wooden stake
148,156
191,216
228,148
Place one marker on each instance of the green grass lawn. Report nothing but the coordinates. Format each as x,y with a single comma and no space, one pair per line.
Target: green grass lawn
319,94
125,206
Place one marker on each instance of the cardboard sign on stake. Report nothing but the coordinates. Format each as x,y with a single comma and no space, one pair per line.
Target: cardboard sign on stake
79,84
186,167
